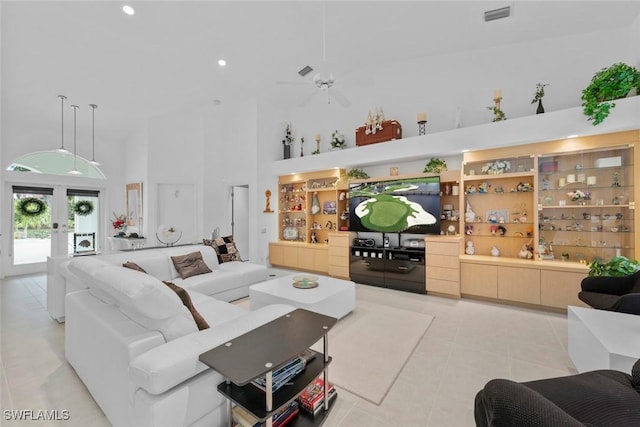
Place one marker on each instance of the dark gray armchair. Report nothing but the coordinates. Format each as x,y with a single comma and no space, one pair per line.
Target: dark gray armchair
597,398
621,294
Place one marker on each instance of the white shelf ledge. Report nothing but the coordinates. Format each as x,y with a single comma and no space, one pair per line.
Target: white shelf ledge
536,128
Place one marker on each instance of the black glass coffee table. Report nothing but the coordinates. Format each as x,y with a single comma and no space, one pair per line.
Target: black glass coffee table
261,351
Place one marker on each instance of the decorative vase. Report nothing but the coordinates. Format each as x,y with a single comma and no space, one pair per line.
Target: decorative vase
540,108
287,151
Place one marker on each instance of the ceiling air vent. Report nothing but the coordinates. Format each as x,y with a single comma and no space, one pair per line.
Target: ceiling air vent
306,70
492,15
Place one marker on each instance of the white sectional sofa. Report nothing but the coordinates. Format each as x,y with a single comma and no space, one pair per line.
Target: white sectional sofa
135,345
227,281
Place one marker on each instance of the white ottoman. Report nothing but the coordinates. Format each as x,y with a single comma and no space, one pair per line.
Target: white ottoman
332,297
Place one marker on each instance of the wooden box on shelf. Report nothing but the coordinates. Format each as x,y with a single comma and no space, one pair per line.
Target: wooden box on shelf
391,129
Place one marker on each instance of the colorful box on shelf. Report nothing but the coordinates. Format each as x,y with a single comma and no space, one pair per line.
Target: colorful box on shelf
607,162
391,129
550,166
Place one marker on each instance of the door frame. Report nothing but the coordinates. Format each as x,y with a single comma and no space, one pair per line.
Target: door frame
59,185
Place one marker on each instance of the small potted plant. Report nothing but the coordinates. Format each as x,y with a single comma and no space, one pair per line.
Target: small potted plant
435,165
618,266
608,84
287,141
337,141
357,173
538,97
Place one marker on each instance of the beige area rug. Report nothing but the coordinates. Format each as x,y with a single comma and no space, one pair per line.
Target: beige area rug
371,345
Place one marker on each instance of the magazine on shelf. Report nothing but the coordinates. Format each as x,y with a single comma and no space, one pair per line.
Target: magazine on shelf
243,418
281,376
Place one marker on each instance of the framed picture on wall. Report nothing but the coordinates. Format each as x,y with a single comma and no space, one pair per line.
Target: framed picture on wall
134,204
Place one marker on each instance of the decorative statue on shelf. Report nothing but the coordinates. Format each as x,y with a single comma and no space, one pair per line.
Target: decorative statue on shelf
267,207
315,204
314,239
469,215
470,249
495,251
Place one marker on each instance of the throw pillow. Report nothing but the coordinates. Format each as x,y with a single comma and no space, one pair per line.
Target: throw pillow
225,248
133,266
190,264
186,300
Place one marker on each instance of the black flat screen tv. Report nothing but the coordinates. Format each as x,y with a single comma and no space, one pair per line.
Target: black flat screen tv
396,206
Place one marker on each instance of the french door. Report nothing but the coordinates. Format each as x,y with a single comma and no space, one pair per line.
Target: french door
51,221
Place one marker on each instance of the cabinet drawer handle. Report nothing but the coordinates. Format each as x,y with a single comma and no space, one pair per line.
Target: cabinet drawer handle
402,267
366,263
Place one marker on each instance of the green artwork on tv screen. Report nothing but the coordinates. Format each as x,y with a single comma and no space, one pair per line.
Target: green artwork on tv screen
407,205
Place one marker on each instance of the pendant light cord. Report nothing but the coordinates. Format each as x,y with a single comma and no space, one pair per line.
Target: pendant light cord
62,98
75,109
93,135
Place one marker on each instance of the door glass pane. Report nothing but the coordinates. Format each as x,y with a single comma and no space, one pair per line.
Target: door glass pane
31,227
82,222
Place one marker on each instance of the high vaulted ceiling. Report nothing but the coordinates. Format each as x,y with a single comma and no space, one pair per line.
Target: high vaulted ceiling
164,58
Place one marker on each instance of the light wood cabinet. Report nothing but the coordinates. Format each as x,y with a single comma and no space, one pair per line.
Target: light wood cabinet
549,284
299,256
560,288
442,265
479,280
338,252
519,284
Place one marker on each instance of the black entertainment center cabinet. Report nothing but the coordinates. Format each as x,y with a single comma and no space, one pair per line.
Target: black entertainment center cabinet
400,268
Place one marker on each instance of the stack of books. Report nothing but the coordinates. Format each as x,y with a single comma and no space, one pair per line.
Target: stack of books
242,418
284,374
312,398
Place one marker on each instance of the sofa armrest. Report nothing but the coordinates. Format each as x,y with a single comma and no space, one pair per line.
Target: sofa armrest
609,285
508,403
628,303
165,366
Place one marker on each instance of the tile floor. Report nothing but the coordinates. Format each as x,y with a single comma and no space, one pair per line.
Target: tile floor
468,343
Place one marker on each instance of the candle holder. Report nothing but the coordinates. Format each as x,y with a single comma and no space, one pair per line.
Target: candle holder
317,145
498,114
422,127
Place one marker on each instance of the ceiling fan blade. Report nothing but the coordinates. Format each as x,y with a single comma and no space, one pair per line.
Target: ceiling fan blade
307,98
339,96
293,83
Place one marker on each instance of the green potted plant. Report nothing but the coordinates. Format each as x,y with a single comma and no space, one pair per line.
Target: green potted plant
608,84
357,173
618,266
435,165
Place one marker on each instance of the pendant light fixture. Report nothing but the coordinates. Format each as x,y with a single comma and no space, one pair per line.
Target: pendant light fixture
74,171
62,149
93,138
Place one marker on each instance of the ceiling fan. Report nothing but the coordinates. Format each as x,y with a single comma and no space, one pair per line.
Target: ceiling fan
322,84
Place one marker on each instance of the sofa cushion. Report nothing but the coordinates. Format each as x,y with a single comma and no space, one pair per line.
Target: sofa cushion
201,323
145,300
212,283
225,248
208,256
251,273
190,264
82,269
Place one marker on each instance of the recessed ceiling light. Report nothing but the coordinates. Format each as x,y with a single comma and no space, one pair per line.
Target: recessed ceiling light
222,62
128,10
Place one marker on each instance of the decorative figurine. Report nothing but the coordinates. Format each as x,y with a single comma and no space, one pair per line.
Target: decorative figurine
470,249
267,208
314,239
495,251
